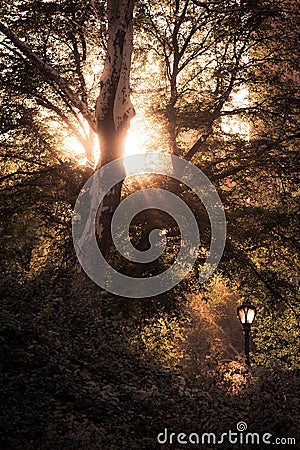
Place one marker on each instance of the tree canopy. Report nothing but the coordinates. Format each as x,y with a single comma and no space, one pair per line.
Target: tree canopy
213,82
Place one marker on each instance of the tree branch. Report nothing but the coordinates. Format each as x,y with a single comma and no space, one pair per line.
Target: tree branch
49,105
49,74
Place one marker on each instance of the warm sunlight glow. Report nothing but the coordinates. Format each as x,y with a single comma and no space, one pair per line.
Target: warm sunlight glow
138,141
135,143
75,150
232,124
142,137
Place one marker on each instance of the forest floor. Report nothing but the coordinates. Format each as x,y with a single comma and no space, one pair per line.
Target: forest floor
70,379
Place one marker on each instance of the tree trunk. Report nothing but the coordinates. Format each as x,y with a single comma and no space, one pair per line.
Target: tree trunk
114,109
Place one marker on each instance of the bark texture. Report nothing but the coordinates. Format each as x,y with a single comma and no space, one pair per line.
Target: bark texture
114,109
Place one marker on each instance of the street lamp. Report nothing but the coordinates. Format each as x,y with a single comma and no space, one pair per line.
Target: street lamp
246,313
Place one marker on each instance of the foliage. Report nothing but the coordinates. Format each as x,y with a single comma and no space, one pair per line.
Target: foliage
71,379
81,368
231,100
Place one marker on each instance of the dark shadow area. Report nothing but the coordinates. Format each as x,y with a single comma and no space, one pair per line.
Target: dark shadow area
70,380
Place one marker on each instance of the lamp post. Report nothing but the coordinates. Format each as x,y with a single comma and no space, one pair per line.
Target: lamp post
246,313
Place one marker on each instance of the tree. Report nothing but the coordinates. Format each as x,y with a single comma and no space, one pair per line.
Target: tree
208,56
114,109
202,56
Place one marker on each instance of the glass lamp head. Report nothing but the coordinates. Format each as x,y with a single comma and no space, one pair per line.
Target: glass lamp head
246,313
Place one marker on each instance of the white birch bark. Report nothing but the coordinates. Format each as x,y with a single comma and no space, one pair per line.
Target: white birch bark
114,109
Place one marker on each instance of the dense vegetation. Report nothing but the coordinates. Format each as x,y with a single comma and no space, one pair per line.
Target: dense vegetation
81,368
